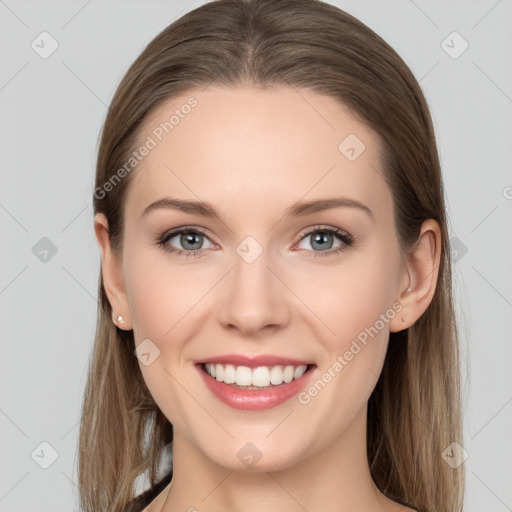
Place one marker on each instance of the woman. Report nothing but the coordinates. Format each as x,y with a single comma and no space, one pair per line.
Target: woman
275,281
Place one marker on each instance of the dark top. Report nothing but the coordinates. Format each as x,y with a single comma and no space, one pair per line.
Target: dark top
140,502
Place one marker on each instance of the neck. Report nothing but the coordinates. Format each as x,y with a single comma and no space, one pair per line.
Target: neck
335,479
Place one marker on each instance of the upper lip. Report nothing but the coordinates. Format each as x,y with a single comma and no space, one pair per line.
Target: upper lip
253,361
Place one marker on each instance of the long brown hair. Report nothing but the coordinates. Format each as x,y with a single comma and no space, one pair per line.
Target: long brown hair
414,412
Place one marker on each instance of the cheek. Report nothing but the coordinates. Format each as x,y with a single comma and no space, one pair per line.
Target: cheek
159,294
353,297
357,306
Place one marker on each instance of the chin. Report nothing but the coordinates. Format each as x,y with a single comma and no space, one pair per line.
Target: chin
256,457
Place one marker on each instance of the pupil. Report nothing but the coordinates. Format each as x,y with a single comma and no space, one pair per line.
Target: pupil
189,238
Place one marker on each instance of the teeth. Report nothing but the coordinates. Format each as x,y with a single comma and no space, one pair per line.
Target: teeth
298,372
243,376
288,374
262,376
276,375
210,368
229,374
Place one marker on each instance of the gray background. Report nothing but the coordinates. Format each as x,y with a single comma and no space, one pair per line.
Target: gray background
51,113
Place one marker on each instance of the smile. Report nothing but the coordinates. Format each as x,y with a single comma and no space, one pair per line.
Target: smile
254,388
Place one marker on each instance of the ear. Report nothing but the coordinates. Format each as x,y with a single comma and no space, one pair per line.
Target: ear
112,272
421,269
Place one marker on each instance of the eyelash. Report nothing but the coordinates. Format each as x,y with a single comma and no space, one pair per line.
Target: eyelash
346,239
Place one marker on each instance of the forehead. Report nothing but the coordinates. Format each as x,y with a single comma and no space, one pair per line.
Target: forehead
246,145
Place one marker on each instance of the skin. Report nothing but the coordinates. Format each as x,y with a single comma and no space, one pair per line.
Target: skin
252,153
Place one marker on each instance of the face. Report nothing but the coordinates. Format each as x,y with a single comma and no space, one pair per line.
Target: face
265,284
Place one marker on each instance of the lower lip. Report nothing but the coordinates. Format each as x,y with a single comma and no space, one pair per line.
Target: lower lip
254,399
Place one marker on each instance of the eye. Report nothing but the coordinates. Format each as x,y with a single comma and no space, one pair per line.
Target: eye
323,238
191,239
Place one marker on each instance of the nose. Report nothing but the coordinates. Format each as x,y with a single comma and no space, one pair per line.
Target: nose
254,298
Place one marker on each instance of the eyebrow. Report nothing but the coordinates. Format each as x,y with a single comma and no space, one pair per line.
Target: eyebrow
299,209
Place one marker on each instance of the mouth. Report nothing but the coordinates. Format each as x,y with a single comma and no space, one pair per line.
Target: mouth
253,388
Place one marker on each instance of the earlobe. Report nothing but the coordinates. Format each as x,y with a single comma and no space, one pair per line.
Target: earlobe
423,269
112,273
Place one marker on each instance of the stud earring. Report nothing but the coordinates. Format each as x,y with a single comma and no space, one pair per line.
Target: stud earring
120,319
